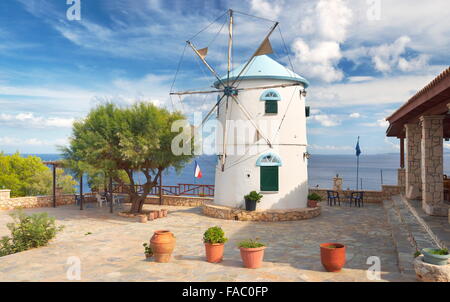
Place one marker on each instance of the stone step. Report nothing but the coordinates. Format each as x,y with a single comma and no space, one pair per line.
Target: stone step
402,239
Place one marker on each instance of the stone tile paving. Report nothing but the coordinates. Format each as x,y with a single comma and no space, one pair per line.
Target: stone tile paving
114,252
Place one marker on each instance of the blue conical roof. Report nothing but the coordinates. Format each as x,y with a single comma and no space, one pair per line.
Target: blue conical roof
264,67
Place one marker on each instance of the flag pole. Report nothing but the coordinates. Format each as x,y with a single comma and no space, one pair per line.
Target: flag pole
357,168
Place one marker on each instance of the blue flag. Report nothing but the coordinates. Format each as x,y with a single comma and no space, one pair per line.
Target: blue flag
358,150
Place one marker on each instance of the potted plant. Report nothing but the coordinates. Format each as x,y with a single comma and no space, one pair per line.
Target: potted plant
435,256
313,199
332,256
214,240
251,200
147,250
252,253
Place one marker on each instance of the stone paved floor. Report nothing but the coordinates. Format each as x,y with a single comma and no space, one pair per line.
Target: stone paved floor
114,252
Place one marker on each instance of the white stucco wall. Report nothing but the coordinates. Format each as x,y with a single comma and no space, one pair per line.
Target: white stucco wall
241,175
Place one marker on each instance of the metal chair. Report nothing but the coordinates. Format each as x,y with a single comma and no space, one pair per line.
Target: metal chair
332,196
358,198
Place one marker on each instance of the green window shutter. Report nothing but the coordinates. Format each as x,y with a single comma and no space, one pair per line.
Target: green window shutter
271,106
307,111
269,178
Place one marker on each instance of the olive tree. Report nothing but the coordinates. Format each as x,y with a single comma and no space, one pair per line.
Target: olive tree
130,139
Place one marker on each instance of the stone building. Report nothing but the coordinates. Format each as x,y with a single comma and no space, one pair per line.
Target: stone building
422,124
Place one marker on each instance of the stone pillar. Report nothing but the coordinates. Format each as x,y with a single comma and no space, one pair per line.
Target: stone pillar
5,194
337,183
413,181
432,165
401,177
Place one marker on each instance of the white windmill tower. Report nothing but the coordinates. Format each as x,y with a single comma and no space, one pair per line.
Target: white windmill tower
273,159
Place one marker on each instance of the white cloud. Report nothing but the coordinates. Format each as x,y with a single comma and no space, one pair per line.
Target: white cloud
355,115
270,10
387,57
379,123
29,120
7,141
326,120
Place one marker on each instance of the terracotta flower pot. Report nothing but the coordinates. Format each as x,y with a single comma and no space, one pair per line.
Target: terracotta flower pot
151,216
147,256
162,244
164,212
156,214
333,259
312,203
252,257
161,214
143,218
214,252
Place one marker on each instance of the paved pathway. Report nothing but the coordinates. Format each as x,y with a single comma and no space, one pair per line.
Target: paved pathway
114,252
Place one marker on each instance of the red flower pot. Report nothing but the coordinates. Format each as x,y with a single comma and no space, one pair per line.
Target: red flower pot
312,204
252,257
162,244
214,252
332,256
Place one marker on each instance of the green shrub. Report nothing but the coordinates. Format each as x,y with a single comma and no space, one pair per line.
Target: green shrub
214,235
253,196
314,196
27,232
250,243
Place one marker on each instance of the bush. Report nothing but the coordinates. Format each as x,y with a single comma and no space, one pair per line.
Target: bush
214,235
27,232
253,196
314,196
250,244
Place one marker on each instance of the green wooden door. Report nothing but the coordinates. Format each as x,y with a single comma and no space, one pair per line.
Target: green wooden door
269,178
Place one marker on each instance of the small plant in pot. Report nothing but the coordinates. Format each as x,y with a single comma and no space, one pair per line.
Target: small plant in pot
313,199
251,200
214,240
252,253
147,250
332,256
436,256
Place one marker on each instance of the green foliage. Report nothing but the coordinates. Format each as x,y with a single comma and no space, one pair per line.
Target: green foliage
214,235
314,196
250,244
147,249
27,232
417,254
253,196
130,139
441,252
28,176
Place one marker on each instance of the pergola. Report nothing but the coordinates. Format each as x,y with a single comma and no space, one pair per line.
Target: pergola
424,121
59,164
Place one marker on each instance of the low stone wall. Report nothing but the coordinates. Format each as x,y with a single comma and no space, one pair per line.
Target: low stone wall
369,196
182,201
269,215
35,201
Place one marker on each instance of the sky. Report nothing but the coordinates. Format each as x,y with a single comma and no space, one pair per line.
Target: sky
362,58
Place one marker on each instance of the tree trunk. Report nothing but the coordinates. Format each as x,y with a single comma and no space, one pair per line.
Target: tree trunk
137,200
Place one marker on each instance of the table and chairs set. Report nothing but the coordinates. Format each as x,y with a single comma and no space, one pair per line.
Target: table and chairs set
102,198
351,197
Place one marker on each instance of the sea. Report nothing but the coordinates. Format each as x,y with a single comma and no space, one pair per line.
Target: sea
374,170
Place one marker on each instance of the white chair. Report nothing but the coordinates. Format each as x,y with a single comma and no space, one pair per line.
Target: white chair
100,200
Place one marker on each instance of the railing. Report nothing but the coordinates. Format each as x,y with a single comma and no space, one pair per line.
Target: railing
178,190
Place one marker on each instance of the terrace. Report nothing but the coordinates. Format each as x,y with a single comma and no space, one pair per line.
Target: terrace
110,247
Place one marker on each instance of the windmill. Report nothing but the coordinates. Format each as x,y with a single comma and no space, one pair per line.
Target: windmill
228,87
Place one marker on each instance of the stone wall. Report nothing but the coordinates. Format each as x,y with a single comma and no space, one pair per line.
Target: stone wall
35,201
267,215
183,201
369,196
